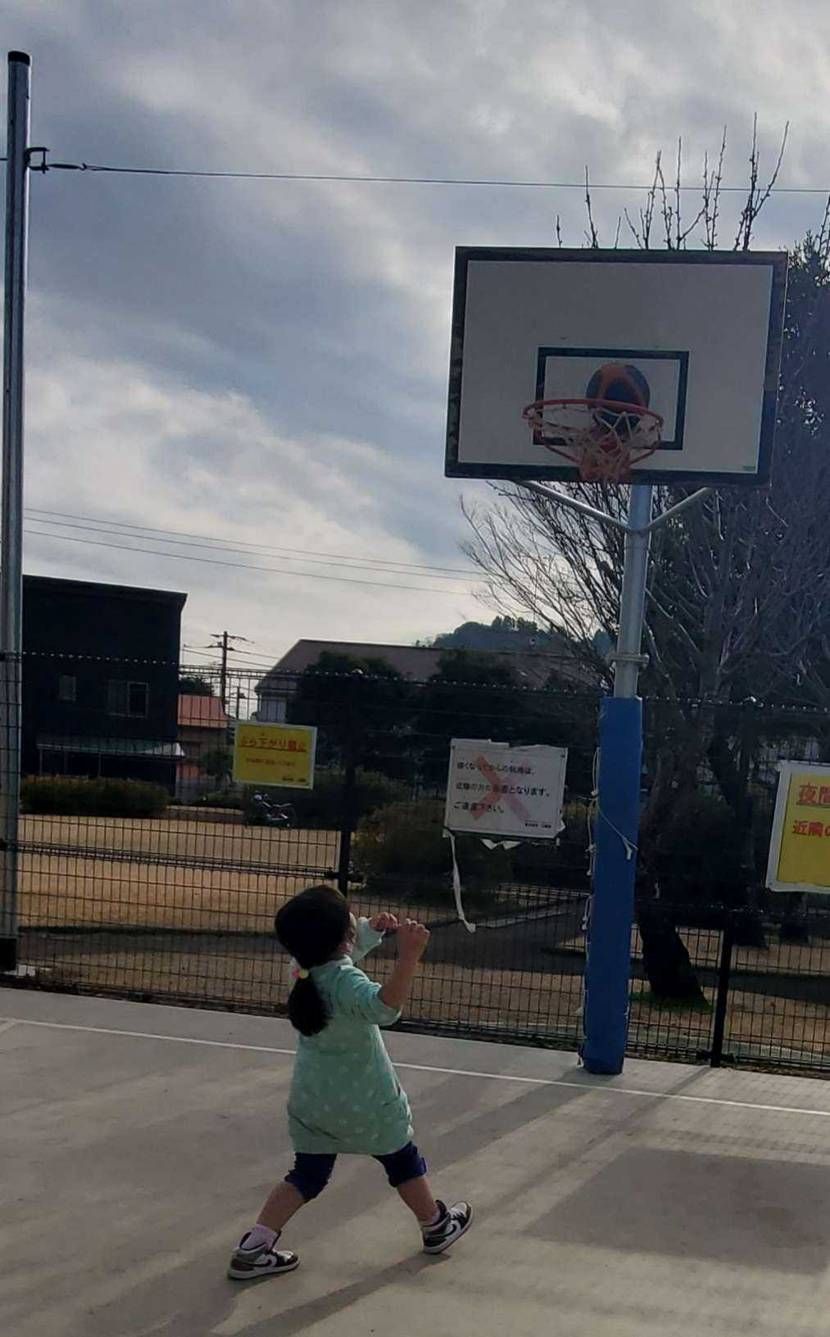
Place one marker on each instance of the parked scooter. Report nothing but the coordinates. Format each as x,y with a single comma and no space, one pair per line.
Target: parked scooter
263,811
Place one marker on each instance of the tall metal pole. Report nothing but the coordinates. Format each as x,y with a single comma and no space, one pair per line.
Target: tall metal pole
628,659
11,544
608,963
223,674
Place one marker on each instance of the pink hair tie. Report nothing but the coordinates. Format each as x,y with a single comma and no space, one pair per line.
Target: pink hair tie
298,973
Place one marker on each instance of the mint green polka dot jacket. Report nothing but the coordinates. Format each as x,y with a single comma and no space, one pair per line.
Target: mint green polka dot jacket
345,1095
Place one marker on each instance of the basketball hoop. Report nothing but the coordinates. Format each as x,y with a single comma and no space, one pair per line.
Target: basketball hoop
603,438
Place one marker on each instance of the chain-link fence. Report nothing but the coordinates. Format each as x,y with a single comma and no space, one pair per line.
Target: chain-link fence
146,872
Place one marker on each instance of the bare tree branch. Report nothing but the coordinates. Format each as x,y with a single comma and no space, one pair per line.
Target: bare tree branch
757,197
636,234
647,214
712,183
591,235
678,238
665,205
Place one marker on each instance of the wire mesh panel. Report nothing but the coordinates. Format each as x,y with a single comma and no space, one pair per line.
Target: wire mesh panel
675,1023
778,1012
769,970
146,871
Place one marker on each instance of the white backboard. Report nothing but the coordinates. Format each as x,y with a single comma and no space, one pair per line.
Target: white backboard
703,327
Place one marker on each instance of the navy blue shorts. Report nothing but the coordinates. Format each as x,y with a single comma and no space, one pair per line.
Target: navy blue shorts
311,1173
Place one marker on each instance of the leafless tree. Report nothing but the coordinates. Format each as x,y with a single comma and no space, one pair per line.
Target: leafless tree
712,182
757,195
591,236
738,600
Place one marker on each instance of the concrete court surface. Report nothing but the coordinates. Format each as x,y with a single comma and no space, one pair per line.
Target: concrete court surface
138,1141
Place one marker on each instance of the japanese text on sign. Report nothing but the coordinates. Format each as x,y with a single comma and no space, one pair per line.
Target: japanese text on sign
813,795
275,754
515,793
799,858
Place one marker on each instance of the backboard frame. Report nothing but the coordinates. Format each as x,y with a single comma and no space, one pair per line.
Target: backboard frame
548,469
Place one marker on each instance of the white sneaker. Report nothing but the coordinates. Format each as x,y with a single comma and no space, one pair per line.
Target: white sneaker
455,1221
263,1260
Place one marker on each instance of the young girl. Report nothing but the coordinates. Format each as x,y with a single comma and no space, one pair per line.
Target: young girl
345,1095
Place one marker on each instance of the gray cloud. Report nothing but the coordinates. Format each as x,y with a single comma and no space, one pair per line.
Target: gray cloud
270,358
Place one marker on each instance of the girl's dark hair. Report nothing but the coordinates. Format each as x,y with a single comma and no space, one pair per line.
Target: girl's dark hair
311,927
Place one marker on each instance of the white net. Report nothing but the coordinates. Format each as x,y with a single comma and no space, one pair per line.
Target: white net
603,439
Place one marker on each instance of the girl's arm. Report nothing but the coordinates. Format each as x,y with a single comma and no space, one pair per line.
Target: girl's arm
412,943
370,934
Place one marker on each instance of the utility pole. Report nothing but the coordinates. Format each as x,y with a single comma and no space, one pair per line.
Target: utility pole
11,544
222,642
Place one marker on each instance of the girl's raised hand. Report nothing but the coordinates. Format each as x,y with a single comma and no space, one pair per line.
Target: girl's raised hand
412,940
384,923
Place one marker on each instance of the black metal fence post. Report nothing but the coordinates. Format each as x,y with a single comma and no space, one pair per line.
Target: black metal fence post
722,1000
347,825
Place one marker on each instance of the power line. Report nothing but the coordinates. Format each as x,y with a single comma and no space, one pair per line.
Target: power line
247,566
263,653
67,520
194,650
253,664
249,654
497,183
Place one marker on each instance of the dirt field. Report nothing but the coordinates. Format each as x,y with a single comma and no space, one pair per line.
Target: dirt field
62,888
704,947
185,839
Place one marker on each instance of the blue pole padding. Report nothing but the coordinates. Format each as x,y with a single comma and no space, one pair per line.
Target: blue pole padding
616,833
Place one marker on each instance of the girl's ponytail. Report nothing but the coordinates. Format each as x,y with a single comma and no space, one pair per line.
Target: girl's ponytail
306,1009
312,927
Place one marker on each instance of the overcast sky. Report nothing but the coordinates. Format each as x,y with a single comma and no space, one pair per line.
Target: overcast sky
265,363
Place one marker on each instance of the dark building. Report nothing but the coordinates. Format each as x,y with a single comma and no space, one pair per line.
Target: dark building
416,663
100,680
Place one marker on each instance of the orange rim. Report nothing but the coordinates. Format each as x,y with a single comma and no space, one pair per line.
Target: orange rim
598,450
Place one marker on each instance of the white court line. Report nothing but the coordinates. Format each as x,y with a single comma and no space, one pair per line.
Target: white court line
441,1072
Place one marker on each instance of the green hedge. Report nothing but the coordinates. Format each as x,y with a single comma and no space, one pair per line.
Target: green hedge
698,853
218,798
401,850
322,806
70,797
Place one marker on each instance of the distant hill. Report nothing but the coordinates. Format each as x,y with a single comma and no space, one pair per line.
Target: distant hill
502,634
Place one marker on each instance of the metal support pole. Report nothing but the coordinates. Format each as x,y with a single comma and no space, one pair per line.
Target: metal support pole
11,544
573,504
608,962
628,660
347,826
694,500
722,1000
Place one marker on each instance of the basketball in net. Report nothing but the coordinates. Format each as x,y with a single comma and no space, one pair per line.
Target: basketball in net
605,433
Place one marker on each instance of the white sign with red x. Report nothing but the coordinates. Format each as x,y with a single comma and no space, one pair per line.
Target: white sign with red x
506,792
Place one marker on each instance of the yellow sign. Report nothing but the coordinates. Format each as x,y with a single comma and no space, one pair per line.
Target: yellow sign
275,754
799,857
